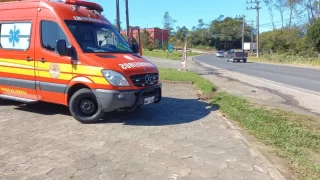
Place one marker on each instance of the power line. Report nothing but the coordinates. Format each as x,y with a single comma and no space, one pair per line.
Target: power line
305,17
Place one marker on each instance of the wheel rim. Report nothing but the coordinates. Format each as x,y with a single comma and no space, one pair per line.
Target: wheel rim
87,107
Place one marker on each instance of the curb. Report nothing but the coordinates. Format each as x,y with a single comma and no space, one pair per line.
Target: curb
272,170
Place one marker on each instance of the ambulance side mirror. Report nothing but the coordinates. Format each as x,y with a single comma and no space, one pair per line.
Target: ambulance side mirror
61,47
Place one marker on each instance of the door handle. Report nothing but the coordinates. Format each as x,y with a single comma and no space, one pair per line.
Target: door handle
42,60
29,59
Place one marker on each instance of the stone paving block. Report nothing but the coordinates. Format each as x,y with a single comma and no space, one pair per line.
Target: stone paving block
17,160
204,173
154,169
84,164
192,162
132,167
61,173
256,175
13,169
111,175
225,157
203,143
237,151
86,174
231,174
179,170
37,171
179,138
242,166
216,150
224,144
216,165
13,177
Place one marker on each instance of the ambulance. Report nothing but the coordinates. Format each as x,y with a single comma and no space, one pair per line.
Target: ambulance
66,52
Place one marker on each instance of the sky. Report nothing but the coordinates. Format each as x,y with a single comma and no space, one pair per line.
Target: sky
145,13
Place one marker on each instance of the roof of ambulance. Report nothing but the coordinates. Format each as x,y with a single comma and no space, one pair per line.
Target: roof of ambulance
63,9
66,11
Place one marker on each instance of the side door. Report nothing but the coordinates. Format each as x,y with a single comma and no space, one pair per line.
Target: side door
54,71
17,54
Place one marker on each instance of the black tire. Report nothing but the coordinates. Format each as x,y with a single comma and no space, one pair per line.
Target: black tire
245,60
94,112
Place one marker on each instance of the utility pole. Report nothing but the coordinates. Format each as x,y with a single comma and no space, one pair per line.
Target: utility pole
257,8
127,17
243,25
162,38
251,46
118,15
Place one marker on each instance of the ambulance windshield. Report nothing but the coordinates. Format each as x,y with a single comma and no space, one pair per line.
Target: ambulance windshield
98,38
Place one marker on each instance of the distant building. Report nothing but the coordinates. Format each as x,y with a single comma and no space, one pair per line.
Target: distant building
157,35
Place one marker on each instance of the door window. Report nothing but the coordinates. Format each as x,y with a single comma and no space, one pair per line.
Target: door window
50,33
15,35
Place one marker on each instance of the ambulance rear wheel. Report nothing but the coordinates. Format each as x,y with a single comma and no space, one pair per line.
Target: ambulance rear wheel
84,107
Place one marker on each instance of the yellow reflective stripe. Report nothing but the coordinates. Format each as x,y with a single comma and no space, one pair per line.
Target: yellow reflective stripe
88,70
16,66
63,67
98,80
68,68
15,62
17,71
62,76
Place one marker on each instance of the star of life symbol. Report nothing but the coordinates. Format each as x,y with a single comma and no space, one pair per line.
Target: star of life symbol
14,36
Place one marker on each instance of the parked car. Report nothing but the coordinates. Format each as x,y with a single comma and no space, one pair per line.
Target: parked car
237,55
220,53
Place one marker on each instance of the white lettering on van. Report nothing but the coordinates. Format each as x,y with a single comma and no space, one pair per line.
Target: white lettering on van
135,65
122,66
83,18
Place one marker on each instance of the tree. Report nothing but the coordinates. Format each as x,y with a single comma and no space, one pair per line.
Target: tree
168,22
270,5
313,35
280,5
181,35
311,6
229,32
146,40
291,4
280,41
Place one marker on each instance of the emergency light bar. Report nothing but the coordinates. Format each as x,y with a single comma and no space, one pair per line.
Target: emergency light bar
87,4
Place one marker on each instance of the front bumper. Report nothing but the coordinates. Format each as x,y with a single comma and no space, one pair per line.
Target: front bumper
129,100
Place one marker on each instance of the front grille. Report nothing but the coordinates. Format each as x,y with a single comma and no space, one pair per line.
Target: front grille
144,80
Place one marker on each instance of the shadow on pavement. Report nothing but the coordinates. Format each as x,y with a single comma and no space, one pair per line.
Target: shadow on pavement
169,111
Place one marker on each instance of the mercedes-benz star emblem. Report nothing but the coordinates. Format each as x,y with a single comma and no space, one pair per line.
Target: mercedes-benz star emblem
147,79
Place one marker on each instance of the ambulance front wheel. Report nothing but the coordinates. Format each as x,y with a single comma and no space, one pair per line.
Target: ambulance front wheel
84,106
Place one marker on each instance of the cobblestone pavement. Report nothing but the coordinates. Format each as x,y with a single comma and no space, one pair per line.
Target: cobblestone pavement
180,138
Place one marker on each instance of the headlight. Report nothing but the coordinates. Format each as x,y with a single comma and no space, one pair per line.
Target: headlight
115,78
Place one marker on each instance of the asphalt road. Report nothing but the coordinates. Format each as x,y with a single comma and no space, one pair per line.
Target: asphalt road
304,78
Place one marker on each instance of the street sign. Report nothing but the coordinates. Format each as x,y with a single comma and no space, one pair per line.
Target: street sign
170,47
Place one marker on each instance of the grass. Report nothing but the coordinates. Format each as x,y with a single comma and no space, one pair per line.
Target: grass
295,137
287,59
290,133
175,55
205,86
